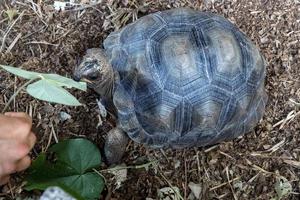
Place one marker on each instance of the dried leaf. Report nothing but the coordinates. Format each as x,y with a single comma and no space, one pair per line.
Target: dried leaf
120,175
293,163
169,193
196,189
282,187
11,13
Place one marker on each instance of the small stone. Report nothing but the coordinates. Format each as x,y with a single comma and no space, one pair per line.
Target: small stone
63,116
53,193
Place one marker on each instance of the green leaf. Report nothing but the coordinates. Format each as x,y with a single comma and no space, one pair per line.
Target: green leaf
21,72
89,157
66,82
49,88
55,79
40,176
47,91
71,170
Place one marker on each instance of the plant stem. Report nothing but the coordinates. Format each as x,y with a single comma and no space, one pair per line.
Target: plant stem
146,165
16,93
97,172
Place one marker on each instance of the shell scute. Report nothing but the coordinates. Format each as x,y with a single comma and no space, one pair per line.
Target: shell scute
186,78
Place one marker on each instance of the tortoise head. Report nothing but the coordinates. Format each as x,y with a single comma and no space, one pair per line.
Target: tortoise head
95,69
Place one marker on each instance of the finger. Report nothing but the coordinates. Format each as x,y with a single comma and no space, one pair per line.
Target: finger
20,115
12,150
23,164
7,168
31,140
14,127
4,179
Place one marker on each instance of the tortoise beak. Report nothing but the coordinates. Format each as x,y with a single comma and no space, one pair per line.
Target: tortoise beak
76,77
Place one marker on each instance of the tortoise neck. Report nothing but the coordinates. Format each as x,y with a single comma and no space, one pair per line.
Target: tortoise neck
105,87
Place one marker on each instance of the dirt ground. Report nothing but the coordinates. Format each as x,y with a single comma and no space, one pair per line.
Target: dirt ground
41,39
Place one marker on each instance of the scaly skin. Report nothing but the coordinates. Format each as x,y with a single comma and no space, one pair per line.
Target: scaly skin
97,71
115,145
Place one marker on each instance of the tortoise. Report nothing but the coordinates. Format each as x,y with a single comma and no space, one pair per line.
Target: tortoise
177,78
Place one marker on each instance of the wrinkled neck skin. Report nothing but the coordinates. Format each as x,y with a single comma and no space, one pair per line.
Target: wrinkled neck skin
105,85
105,89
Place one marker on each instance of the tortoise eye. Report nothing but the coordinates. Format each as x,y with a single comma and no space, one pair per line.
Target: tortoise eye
91,64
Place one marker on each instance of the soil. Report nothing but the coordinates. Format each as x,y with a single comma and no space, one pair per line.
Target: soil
42,39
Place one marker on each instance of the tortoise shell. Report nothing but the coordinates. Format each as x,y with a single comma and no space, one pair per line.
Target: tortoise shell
185,78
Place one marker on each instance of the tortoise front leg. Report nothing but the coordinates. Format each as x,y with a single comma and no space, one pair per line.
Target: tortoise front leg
115,145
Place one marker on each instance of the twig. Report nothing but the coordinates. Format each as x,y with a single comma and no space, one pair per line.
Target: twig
206,173
100,175
222,184
276,146
255,154
185,176
293,163
37,10
54,134
198,165
16,93
228,181
3,20
8,31
164,154
170,185
294,102
253,178
227,155
288,118
86,7
49,141
211,148
11,46
11,190
261,169
42,42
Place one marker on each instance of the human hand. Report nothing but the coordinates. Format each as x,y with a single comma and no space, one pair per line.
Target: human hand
16,141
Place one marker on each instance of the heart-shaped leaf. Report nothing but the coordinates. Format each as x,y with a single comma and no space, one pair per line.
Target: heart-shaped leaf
71,170
89,156
47,91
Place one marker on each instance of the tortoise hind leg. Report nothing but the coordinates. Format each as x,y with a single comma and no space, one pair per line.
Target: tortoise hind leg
115,145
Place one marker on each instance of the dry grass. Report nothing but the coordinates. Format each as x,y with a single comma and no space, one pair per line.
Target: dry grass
42,39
